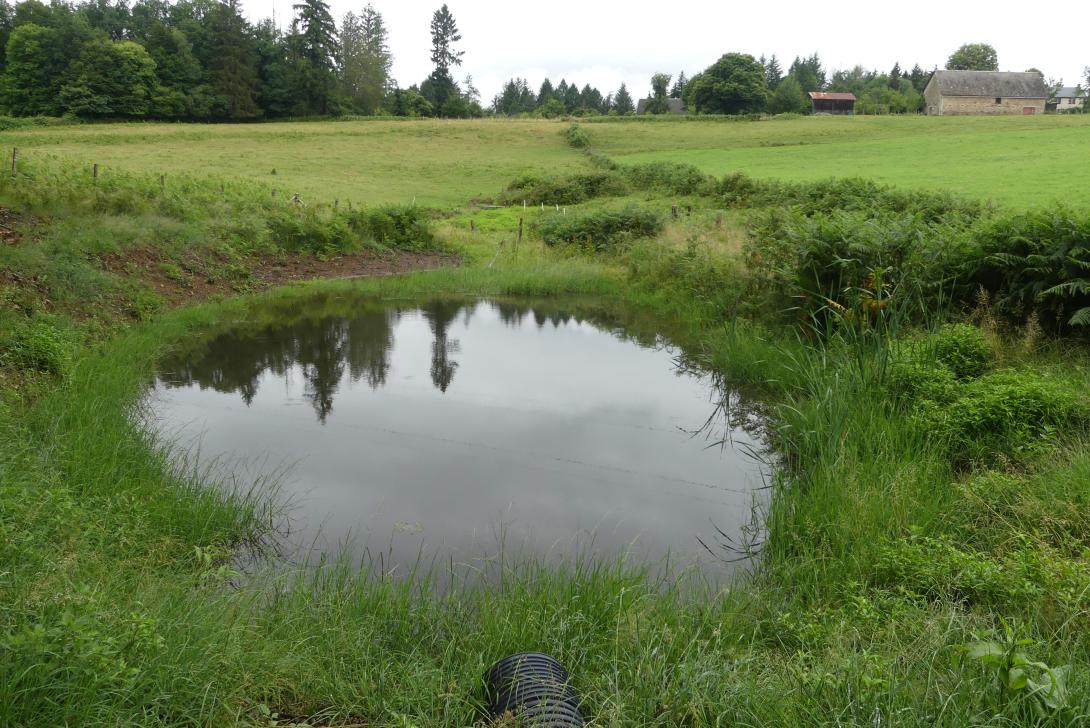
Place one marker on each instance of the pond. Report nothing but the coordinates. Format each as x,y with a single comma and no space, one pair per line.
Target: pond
451,431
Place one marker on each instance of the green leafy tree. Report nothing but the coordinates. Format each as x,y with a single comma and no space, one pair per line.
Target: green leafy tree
181,91
552,108
735,84
111,79
622,102
33,72
973,57
660,84
788,98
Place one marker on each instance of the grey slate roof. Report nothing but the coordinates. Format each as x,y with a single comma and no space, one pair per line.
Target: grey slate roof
1069,92
673,106
1003,84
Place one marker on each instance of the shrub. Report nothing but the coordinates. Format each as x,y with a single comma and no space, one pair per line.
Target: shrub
601,230
714,280
1007,414
962,349
853,263
577,137
909,382
305,229
394,226
1037,262
677,179
567,190
36,345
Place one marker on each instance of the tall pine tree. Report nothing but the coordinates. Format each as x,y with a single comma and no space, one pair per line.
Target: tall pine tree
440,88
232,69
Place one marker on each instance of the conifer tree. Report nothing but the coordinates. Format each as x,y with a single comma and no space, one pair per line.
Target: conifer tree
232,70
622,101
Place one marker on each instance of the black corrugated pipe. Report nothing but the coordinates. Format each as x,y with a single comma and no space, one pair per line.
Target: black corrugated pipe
534,688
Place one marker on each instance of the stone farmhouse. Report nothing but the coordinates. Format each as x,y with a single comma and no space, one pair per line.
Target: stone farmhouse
985,92
1068,98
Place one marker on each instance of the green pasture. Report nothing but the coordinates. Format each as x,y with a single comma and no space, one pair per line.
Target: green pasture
1019,162
436,162
1015,161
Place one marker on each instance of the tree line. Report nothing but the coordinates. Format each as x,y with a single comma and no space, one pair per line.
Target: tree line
202,60
738,83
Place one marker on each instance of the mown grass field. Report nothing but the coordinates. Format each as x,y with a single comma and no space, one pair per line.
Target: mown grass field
1015,161
434,162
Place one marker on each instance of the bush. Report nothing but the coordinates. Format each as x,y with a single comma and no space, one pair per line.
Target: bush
567,190
1037,262
394,226
577,137
853,263
909,382
714,280
36,345
305,229
601,230
677,179
962,349
1009,414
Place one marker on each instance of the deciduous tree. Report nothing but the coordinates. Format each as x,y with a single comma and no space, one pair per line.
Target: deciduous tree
973,57
735,84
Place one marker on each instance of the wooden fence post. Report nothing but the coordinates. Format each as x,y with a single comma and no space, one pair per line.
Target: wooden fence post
673,211
520,232
14,162
94,172
162,184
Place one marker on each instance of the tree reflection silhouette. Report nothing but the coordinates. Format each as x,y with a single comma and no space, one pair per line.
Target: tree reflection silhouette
322,347
440,315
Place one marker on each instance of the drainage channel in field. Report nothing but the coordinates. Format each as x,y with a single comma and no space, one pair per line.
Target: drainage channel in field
449,431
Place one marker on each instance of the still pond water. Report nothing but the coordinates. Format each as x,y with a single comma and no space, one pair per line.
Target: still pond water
450,431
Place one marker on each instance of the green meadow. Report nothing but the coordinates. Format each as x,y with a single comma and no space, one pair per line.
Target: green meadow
918,358
1018,162
437,163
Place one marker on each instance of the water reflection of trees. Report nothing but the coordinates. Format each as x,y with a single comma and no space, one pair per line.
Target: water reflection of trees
322,348
440,314
337,337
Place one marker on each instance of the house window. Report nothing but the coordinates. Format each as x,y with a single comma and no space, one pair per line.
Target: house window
998,100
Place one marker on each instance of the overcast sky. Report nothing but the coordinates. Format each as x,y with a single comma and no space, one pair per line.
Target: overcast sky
605,43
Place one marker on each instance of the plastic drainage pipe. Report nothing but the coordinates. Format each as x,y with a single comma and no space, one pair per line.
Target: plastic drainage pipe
532,687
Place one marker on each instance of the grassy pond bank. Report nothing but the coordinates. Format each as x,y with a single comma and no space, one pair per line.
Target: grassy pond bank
917,361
